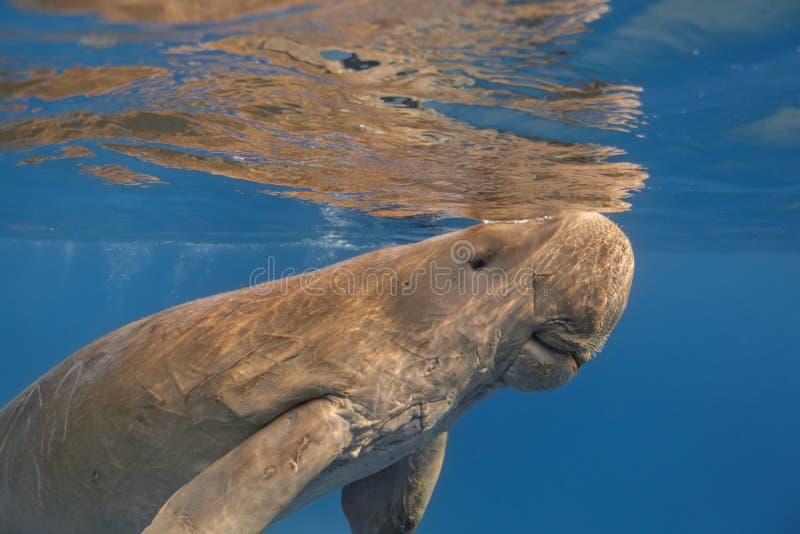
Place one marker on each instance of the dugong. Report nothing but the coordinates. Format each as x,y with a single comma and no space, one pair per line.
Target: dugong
229,412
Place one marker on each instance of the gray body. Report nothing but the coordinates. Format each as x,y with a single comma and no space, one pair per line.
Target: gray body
229,412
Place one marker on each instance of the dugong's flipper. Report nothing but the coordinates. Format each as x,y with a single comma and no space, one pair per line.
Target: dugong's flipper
392,501
247,488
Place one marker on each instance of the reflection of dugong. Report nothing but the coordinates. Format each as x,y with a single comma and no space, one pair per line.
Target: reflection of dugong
226,413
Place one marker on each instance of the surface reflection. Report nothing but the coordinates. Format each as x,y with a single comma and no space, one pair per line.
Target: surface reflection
179,11
355,104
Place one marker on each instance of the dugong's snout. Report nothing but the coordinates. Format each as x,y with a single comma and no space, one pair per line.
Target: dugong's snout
588,269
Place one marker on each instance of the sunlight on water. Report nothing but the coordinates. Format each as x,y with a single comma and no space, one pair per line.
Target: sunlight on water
347,104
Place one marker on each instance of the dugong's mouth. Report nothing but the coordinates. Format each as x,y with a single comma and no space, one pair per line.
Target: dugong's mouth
540,365
545,354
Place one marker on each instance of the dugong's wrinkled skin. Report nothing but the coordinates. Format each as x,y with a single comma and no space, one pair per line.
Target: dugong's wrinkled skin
226,413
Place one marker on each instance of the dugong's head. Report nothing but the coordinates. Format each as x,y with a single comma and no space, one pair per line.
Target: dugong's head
580,284
521,304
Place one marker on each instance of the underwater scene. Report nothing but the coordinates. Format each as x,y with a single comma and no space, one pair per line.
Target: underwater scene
155,152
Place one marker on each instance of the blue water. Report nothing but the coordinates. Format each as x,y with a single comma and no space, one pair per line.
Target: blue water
686,422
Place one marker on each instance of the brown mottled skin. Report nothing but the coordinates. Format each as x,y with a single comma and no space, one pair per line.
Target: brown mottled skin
229,412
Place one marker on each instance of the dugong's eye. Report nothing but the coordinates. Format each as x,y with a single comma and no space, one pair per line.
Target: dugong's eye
477,263
481,260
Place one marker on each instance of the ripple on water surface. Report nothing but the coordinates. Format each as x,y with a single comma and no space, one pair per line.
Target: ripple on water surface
356,104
